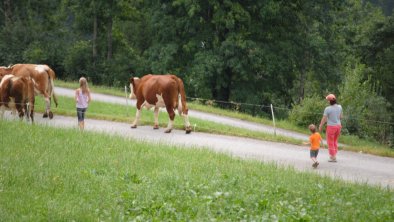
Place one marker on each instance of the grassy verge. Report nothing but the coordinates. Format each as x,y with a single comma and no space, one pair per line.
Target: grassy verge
96,177
101,112
97,89
121,113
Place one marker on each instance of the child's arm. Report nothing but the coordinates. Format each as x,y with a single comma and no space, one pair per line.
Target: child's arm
308,143
76,95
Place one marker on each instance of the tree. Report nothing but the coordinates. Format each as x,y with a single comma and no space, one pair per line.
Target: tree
366,113
378,54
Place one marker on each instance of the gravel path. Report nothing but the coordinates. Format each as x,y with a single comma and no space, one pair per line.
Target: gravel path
351,166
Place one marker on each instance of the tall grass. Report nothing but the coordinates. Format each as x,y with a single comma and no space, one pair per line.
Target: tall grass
52,174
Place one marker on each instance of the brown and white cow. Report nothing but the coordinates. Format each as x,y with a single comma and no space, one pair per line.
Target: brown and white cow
42,76
17,92
160,91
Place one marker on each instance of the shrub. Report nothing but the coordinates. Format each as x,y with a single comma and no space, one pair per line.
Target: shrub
365,112
309,111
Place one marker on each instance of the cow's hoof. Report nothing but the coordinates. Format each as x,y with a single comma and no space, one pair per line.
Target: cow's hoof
133,126
188,130
167,131
156,127
50,115
45,115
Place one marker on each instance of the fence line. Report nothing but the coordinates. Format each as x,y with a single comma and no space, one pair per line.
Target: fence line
268,109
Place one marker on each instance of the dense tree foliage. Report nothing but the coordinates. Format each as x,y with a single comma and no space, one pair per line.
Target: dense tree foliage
258,52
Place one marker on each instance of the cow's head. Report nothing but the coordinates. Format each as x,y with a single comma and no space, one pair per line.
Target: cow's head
133,85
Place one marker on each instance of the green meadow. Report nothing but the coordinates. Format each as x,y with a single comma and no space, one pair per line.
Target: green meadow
53,174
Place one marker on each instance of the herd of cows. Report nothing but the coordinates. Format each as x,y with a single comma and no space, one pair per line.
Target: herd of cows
20,83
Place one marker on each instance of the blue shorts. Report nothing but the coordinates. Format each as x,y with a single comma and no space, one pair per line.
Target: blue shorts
81,114
313,153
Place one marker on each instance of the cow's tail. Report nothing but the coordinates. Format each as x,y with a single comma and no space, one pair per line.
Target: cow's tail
182,107
51,85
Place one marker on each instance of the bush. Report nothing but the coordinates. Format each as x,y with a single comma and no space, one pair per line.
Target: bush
310,110
77,62
366,114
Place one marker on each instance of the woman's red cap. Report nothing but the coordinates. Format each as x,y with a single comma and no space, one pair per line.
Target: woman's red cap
330,97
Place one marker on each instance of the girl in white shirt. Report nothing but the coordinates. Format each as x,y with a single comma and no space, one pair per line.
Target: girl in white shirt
82,99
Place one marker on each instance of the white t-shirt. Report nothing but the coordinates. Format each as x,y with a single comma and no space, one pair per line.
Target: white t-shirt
82,101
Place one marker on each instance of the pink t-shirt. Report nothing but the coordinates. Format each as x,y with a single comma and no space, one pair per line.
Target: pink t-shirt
82,99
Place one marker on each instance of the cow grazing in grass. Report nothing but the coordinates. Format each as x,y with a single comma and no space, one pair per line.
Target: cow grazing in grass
42,76
160,91
17,92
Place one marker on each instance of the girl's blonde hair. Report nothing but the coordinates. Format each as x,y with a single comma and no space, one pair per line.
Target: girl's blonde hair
83,84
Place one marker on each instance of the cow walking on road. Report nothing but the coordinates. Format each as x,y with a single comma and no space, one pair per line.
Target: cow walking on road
42,76
160,91
17,93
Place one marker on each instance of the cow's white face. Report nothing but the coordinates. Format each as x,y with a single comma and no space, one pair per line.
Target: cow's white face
132,95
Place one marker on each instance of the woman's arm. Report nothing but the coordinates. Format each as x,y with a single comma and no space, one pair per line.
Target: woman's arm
322,122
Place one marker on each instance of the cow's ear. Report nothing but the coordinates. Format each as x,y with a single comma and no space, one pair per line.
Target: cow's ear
131,79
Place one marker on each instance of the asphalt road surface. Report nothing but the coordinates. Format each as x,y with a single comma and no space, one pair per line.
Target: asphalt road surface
351,166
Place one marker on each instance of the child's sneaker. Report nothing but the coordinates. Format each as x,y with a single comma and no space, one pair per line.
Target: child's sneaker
315,164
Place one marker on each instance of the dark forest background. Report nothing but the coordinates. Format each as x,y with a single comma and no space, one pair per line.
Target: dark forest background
281,52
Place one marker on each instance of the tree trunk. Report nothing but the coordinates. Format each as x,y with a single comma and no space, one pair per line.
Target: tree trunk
7,12
303,70
225,89
109,32
301,92
109,39
94,41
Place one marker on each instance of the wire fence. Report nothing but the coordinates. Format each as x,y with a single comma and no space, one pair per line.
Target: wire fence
264,109
287,110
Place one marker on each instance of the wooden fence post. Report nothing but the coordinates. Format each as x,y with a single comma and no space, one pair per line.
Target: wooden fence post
273,118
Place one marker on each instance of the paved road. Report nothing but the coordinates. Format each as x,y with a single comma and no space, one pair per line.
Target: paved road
200,115
351,166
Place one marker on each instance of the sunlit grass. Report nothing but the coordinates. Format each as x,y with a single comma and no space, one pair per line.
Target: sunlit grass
58,174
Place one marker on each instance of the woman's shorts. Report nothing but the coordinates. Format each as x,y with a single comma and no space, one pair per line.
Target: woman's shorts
313,153
81,114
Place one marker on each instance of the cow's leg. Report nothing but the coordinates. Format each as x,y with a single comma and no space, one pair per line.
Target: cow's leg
32,115
156,126
19,108
10,103
137,118
48,112
188,128
31,109
2,110
171,114
27,110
